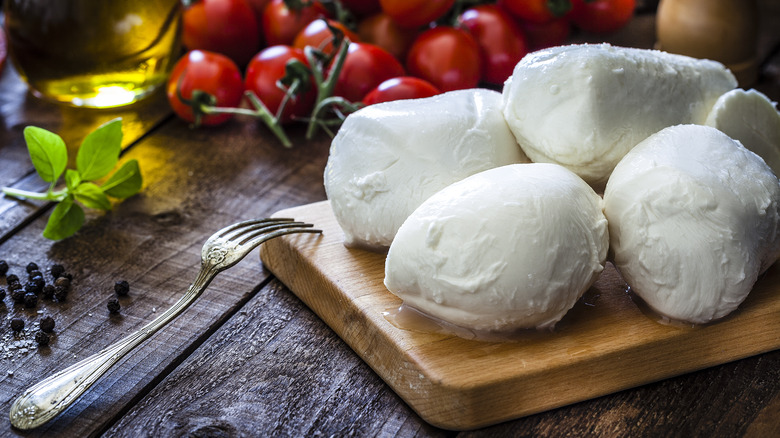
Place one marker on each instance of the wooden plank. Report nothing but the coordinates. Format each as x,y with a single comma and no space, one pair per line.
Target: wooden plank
196,181
458,384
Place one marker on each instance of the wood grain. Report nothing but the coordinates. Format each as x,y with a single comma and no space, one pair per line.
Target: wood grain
606,346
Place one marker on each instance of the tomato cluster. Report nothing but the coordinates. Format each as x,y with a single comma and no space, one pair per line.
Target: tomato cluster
299,55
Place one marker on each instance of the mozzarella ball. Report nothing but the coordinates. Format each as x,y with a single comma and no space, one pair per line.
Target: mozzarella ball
509,248
693,220
388,158
585,106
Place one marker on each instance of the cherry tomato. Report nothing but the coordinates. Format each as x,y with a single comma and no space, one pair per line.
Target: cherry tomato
281,24
365,67
362,8
404,87
262,74
381,30
536,11
501,41
446,57
544,35
318,35
209,72
415,13
600,16
228,27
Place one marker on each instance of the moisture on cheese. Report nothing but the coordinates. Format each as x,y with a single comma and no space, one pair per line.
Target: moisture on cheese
509,248
585,106
388,158
694,218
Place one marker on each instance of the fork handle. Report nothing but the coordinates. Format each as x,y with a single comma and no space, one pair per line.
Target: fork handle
46,399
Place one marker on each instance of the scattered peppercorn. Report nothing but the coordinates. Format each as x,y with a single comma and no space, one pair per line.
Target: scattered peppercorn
30,299
48,291
35,273
57,270
67,275
17,324
60,293
14,286
13,278
18,295
113,305
3,268
62,282
47,324
33,287
2,294
32,266
41,338
122,288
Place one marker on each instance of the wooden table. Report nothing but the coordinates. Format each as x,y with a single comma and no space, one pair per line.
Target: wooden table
248,358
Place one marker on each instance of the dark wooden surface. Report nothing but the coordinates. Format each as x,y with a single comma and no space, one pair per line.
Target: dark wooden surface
248,358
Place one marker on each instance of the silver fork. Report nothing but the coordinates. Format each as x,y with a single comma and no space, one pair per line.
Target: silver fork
45,400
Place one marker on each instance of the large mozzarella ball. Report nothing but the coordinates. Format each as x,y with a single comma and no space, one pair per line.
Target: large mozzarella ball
388,158
508,248
694,218
585,106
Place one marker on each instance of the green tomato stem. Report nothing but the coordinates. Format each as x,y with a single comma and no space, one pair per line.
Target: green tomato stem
325,86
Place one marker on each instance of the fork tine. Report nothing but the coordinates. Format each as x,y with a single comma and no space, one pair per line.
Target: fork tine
242,227
269,229
257,238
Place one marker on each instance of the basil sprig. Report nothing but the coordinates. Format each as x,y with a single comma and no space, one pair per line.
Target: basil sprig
97,156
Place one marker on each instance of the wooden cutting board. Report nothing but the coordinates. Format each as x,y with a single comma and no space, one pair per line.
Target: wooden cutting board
604,344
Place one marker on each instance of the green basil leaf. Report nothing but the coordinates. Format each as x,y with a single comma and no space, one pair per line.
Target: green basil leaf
99,152
125,182
92,196
64,221
72,179
48,152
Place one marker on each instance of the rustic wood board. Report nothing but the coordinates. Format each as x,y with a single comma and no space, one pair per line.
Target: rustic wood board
603,345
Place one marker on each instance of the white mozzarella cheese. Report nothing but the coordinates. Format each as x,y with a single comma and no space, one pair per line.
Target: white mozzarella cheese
585,106
508,248
388,158
694,218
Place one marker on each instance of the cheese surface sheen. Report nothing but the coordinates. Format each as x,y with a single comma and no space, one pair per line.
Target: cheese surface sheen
388,158
585,106
694,218
509,248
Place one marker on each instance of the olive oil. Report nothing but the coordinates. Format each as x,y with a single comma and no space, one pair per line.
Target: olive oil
93,53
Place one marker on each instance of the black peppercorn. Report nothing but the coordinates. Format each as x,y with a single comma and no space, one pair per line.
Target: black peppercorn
34,287
57,270
13,278
35,273
3,268
62,282
18,295
121,288
47,324
113,305
60,293
2,294
32,266
48,291
30,299
17,324
14,286
41,338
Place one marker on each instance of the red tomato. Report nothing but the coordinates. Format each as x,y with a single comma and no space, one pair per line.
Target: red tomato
543,35
362,8
381,30
404,87
228,27
281,24
262,74
446,57
601,16
536,11
365,67
211,73
415,13
318,35
501,42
